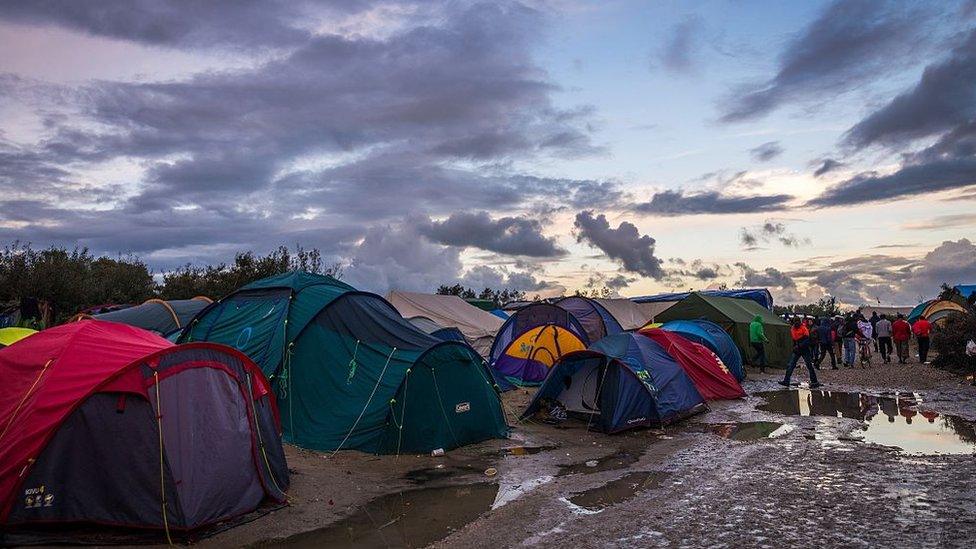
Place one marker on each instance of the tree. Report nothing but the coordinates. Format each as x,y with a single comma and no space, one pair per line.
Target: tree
497,297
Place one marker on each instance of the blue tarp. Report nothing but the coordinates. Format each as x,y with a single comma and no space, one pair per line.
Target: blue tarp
500,314
966,290
712,336
759,295
625,381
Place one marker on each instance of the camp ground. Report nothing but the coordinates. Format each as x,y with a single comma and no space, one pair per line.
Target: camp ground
734,316
478,326
350,372
106,424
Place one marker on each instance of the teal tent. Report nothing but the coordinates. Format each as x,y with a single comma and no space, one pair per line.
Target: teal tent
350,372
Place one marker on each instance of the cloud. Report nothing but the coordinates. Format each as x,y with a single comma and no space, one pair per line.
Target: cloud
672,203
828,165
752,278
625,244
942,222
344,131
682,44
183,23
506,235
485,276
944,96
766,152
769,231
910,180
851,42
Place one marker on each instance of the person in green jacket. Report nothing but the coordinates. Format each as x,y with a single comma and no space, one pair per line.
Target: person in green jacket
757,337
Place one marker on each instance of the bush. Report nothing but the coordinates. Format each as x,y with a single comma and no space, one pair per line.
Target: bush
949,340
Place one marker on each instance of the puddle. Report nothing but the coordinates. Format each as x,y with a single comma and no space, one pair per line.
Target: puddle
617,491
744,432
618,460
889,420
526,450
446,470
414,518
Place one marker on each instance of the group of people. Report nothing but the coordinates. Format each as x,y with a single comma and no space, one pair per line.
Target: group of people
854,336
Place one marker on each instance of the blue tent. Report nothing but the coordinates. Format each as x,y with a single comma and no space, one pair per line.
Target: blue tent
712,336
621,382
966,290
759,295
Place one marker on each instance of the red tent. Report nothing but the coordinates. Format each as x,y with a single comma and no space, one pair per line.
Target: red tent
712,379
84,408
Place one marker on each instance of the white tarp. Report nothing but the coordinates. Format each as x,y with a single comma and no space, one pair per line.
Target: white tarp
479,327
630,315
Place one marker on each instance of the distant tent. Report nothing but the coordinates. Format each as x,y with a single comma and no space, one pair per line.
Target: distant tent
713,337
156,315
916,313
98,420
653,308
595,319
734,316
9,336
624,381
351,372
430,327
483,304
450,311
938,311
500,314
532,340
759,295
711,377
628,314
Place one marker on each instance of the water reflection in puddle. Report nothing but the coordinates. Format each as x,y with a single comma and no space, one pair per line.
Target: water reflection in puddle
890,420
618,460
616,491
414,518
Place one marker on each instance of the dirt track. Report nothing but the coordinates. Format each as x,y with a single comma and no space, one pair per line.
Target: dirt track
816,485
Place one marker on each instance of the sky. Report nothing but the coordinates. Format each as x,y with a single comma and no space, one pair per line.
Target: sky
815,148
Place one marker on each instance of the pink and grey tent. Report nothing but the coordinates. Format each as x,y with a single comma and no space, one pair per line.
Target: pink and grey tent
111,433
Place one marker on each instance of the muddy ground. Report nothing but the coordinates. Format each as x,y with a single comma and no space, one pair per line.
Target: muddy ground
819,482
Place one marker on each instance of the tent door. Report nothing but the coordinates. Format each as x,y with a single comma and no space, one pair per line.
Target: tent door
581,391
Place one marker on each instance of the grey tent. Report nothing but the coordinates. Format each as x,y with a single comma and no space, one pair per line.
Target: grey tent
430,327
450,311
156,315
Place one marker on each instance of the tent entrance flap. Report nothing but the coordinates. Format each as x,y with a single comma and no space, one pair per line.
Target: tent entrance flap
581,390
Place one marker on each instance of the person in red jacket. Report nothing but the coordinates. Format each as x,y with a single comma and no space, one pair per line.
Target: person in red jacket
901,332
922,329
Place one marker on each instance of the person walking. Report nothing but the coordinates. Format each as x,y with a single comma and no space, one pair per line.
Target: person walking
901,332
874,332
758,340
838,328
849,335
922,330
825,342
882,329
802,348
865,336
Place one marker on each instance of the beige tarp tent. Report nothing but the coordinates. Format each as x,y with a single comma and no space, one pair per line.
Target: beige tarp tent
479,327
630,315
651,310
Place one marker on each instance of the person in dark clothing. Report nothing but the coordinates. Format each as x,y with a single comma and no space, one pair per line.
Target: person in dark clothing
874,328
824,340
849,334
882,330
802,348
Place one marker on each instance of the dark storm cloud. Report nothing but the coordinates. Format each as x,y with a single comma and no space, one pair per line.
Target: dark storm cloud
911,180
505,235
625,244
682,44
671,203
766,151
752,278
851,42
181,23
828,165
943,97
335,134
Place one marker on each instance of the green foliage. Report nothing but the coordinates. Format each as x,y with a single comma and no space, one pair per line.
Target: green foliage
949,341
74,280
497,297
826,306
71,280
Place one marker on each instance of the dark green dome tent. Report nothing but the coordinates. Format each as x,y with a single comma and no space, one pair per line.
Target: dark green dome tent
350,372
